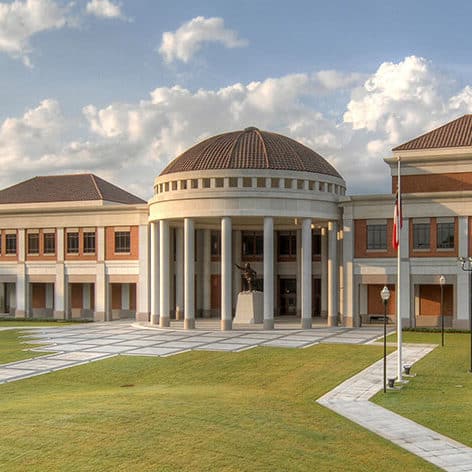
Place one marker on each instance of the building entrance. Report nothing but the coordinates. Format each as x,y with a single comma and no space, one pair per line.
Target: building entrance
287,296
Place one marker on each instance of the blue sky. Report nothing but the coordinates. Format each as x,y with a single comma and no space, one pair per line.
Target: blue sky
89,86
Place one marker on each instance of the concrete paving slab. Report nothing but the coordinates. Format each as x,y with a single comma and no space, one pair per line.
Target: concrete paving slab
285,343
153,351
221,347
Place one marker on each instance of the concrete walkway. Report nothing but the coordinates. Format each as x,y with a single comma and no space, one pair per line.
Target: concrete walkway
351,400
74,345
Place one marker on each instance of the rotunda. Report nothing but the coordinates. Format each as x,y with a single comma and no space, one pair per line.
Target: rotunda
245,196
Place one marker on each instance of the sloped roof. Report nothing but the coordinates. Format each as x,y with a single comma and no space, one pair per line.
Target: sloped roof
456,133
66,188
250,149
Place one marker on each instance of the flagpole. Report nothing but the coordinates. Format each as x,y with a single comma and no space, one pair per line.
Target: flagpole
399,315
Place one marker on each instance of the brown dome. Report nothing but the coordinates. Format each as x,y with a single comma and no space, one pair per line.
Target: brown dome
250,149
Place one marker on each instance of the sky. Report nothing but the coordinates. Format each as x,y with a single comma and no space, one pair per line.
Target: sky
120,88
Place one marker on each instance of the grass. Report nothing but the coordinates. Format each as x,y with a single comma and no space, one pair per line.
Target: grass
198,411
11,349
26,322
439,397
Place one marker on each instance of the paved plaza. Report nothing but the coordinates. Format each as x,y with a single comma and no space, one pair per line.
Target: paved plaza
78,344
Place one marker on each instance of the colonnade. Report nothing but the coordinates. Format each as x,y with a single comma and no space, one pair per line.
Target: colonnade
160,272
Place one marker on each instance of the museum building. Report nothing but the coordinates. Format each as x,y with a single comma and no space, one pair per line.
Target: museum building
76,246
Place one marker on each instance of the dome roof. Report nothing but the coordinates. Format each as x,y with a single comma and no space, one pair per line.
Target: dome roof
250,149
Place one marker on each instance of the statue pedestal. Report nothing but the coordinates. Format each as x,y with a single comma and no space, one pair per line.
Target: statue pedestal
249,308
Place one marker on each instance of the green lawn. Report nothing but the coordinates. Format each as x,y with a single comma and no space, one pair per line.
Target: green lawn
11,349
22,322
440,396
198,411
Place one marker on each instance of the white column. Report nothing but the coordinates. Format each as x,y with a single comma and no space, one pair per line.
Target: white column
60,286
324,272
142,289
349,318
226,309
237,241
21,282
206,273
306,269
101,299
299,273
332,274
86,298
268,272
462,287
189,273
179,269
164,295
154,273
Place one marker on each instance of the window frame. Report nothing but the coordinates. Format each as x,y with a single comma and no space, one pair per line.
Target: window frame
420,229
257,243
49,237
376,237
30,239
292,245
120,237
444,246
69,236
11,238
85,236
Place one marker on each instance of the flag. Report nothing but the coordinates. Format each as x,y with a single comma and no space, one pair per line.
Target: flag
397,221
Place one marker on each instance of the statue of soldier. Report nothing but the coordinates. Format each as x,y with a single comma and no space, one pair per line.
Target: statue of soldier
249,274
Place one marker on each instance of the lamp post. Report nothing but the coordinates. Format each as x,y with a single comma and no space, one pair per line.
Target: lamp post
442,281
466,265
385,295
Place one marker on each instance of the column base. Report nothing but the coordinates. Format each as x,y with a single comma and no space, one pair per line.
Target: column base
189,323
348,322
99,316
59,315
306,323
269,323
332,321
324,314
226,325
142,316
154,319
164,322
20,314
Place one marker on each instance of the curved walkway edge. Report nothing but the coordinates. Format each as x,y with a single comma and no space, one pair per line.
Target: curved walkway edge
351,400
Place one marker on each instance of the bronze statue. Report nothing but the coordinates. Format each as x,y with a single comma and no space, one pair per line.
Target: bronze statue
249,274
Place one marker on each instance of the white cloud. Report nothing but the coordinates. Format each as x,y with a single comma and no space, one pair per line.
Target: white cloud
104,9
19,21
187,40
130,143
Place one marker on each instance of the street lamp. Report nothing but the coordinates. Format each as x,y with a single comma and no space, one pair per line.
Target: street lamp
442,281
385,295
466,265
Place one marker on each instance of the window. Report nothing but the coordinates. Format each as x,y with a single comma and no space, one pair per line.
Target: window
288,244
73,243
122,241
89,242
377,236
49,241
252,244
215,244
10,243
316,243
33,243
421,235
445,239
